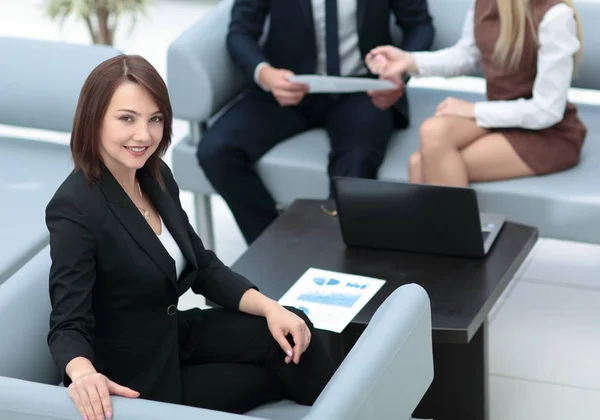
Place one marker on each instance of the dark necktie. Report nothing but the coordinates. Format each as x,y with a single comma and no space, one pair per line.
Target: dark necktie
331,38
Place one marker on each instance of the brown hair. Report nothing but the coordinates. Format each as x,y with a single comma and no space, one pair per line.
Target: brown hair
96,93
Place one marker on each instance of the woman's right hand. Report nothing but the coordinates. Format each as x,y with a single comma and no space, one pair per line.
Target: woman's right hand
390,63
91,393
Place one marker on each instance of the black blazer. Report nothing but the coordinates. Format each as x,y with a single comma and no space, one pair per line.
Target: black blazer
113,286
290,42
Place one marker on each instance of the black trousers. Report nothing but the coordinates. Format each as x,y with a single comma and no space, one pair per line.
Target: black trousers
237,365
358,131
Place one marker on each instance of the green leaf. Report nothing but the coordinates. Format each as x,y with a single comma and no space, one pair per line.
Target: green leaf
87,9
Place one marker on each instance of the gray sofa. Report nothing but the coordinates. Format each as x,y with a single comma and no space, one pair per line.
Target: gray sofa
202,80
383,377
39,85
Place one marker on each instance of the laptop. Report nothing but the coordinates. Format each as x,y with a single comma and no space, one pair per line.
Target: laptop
413,217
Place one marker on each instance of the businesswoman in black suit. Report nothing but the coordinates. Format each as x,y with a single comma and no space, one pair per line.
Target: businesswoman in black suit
123,252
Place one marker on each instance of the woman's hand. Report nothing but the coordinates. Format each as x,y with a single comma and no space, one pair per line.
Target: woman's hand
91,394
282,322
390,63
453,107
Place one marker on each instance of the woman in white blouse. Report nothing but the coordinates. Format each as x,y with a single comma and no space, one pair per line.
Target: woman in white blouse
526,127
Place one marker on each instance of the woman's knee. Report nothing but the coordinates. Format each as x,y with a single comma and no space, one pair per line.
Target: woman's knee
415,161
433,135
415,168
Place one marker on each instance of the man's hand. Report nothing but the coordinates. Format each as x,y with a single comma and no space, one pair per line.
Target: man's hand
383,99
284,91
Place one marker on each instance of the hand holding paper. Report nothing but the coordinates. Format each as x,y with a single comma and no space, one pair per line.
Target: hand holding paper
384,99
285,92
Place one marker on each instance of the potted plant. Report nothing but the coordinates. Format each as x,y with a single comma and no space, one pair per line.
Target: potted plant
100,16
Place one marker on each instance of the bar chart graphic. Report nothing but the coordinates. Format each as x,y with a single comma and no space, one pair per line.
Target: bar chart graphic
331,299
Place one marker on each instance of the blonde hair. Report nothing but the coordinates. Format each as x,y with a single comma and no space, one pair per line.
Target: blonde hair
516,18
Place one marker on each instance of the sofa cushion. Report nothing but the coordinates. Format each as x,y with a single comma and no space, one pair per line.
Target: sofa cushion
24,314
41,80
280,410
30,173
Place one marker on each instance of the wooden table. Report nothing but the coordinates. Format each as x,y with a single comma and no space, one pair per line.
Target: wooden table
462,292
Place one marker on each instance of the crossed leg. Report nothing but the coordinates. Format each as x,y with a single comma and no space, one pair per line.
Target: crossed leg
454,151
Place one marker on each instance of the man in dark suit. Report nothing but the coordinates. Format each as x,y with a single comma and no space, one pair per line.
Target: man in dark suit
306,37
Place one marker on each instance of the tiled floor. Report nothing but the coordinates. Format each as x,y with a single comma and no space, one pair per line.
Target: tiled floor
544,332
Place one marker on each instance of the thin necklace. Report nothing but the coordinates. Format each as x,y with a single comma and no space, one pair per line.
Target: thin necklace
144,211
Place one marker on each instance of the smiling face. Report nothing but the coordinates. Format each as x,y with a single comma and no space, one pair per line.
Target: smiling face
131,130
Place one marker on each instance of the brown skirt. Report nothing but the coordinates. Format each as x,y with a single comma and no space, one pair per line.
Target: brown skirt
552,149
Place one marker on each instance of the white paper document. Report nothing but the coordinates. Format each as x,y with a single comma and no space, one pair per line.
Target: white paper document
334,84
330,299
